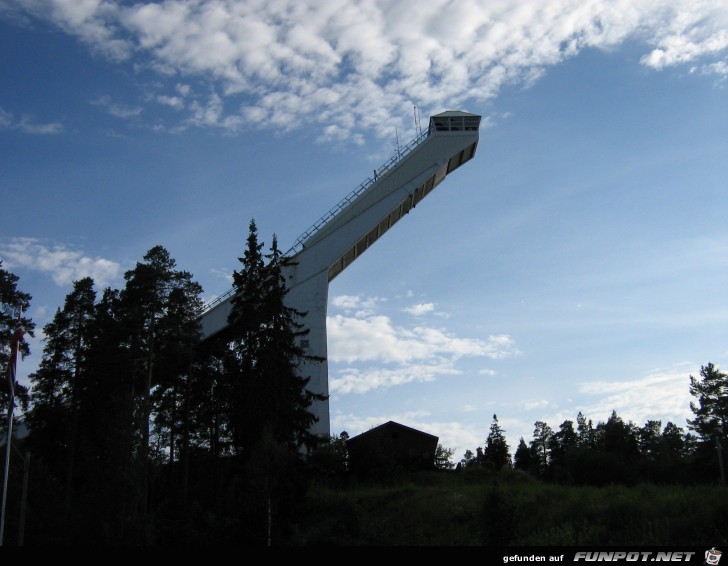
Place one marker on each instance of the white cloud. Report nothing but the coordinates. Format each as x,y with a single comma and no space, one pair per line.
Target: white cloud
40,312
352,65
91,20
27,124
662,394
420,309
356,305
226,274
683,34
530,405
65,265
175,102
346,301
353,380
375,338
118,110
400,354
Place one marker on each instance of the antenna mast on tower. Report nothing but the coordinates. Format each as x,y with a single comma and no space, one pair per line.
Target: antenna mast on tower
418,124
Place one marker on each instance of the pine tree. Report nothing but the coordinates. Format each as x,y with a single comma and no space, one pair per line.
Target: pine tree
176,365
443,458
540,444
619,450
523,458
562,441
467,459
618,438
12,299
49,397
106,427
562,447
585,432
496,454
711,411
648,438
160,307
55,395
710,422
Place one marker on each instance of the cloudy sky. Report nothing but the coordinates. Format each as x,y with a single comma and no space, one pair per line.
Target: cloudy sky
578,263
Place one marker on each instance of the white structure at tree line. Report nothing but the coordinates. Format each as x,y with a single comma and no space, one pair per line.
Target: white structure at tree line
352,226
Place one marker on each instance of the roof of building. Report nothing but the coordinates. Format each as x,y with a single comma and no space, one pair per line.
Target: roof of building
392,425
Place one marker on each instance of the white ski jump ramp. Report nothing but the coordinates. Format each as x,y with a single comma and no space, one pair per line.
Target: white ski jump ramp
352,226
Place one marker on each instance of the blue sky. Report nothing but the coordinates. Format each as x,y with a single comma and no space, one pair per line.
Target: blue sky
578,263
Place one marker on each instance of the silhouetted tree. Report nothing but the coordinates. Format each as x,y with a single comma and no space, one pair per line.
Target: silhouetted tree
467,459
443,458
523,458
671,456
540,444
711,419
496,454
561,444
103,478
160,307
54,413
711,410
585,432
264,354
618,451
330,458
12,299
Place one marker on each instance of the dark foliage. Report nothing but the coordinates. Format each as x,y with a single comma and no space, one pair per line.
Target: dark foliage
141,435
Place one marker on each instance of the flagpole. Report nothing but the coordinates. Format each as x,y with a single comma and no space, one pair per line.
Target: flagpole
11,406
12,364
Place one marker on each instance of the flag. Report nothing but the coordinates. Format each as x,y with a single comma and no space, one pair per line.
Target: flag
18,333
19,330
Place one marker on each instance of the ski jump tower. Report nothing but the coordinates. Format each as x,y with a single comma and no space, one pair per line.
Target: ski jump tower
352,226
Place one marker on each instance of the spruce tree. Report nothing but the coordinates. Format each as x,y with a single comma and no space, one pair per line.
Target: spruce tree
280,357
268,394
496,454
245,321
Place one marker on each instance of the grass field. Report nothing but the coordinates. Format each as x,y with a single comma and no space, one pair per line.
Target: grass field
510,508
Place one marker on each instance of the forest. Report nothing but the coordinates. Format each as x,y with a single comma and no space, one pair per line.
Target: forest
142,434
